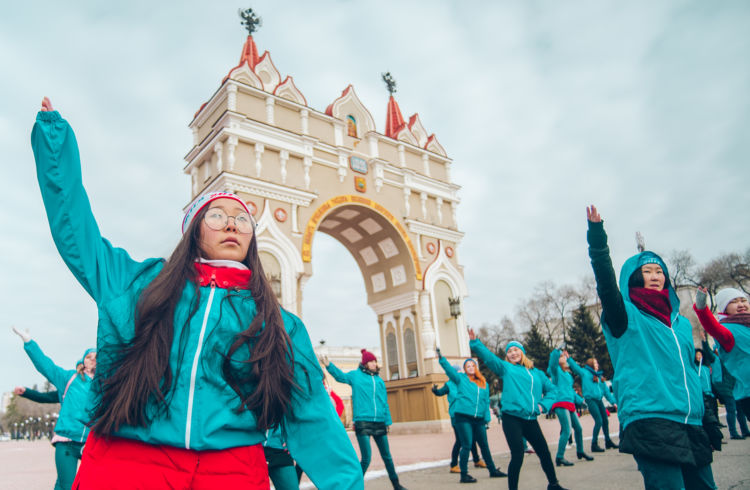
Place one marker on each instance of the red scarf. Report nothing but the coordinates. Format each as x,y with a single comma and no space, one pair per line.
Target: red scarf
225,277
739,318
654,303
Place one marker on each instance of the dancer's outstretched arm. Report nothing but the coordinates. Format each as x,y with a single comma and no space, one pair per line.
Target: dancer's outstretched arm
96,264
723,336
46,366
613,307
38,396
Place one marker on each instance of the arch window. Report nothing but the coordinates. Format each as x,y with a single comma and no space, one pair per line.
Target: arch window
351,126
392,351
410,350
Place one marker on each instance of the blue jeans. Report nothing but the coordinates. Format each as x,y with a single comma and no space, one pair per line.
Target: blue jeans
597,410
665,476
470,430
567,418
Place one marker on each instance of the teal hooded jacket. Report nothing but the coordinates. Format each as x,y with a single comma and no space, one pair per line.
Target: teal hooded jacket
469,398
523,389
653,362
201,412
591,389
73,419
369,396
737,361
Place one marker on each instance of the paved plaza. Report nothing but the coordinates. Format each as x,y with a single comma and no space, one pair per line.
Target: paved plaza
422,461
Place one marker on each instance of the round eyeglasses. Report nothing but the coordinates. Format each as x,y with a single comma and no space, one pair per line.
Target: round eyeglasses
217,219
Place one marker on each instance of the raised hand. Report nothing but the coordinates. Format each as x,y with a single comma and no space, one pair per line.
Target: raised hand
593,215
19,390
472,335
324,360
46,105
701,297
25,336
437,350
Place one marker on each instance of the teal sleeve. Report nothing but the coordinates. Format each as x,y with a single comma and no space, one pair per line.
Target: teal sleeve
443,390
450,371
607,394
547,385
488,415
42,397
101,268
330,461
575,367
338,374
388,420
493,362
578,400
553,368
55,374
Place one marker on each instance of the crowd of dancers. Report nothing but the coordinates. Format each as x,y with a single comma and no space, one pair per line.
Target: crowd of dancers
200,380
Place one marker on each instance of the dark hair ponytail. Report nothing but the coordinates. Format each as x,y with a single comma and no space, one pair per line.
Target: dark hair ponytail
141,373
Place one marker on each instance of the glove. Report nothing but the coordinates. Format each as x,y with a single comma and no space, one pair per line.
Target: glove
434,389
437,349
25,336
700,299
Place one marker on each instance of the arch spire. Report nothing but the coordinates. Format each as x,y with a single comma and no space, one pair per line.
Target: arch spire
394,120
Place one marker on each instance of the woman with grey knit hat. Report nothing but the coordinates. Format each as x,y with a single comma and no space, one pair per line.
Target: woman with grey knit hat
732,331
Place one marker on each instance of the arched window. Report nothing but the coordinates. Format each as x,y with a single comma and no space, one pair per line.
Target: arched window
392,351
410,350
351,126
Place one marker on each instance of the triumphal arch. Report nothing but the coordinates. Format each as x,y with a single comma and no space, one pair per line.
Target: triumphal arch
386,196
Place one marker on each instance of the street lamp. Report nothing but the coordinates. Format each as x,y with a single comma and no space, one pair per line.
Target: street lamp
455,306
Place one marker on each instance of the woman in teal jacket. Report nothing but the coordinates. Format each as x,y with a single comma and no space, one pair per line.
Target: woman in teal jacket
565,406
593,388
372,415
71,429
524,396
450,390
471,413
651,346
181,343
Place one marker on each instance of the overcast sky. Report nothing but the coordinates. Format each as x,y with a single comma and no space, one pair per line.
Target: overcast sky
640,107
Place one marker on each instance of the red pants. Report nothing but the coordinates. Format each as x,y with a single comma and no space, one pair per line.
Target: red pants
119,463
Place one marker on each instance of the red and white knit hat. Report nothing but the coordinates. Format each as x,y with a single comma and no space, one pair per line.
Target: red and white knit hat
205,199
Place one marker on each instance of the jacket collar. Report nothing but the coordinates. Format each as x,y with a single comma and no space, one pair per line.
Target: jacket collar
223,276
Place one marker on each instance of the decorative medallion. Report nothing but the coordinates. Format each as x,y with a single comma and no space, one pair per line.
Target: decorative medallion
280,215
252,207
358,164
360,184
431,248
449,252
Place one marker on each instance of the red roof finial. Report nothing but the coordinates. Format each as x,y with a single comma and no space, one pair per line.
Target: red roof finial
394,121
249,53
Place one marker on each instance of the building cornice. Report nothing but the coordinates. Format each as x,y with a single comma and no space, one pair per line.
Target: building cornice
439,232
238,183
395,303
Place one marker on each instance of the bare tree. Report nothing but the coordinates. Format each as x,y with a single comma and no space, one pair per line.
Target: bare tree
681,268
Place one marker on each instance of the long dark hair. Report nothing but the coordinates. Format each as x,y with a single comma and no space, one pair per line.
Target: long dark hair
142,373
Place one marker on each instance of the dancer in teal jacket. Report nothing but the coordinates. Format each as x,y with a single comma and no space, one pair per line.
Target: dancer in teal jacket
565,406
180,342
471,413
525,394
593,388
651,346
372,415
71,429
450,390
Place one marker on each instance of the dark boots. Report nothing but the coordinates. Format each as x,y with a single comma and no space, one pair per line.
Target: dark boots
467,478
496,473
555,486
562,462
595,448
397,485
608,444
584,456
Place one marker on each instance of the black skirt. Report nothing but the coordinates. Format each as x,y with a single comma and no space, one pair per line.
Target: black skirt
363,428
277,458
667,441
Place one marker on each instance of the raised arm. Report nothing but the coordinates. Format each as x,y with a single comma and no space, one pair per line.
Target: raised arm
718,331
553,368
577,370
493,362
54,373
41,397
330,461
96,264
613,306
449,370
338,374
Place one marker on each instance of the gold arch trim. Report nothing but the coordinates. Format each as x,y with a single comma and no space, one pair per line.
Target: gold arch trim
322,211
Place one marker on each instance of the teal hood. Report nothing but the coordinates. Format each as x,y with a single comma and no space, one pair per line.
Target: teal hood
655,376
83,357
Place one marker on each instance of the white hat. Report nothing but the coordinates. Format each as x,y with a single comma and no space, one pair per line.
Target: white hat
725,296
